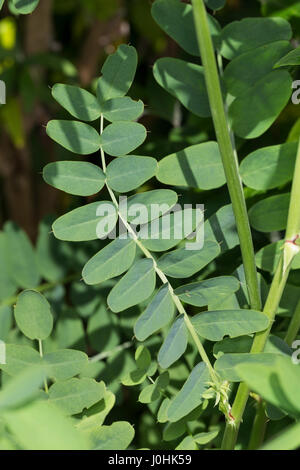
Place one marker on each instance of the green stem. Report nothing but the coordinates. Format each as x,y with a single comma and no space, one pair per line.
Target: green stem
294,326
259,426
293,225
160,274
41,355
106,354
271,307
228,153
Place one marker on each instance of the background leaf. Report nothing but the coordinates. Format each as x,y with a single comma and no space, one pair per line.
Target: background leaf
33,315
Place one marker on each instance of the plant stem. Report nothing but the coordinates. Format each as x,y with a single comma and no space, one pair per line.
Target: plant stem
41,355
294,326
228,153
106,354
259,426
271,307
160,274
293,225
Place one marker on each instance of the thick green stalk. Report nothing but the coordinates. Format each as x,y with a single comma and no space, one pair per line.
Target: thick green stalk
259,426
271,306
228,154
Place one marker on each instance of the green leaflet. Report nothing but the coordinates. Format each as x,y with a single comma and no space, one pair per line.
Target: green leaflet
269,167
110,262
167,231
139,206
292,58
190,396
42,426
185,81
240,78
22,388
184,263
198,166
270,214
33,315
75,136
23,264
121,138
19,357
158,314
1,3
73,395
215,325
239,37
135,287
126,174
118,73
96,415
226,365
25,6
144,368
78,178
242,344
278,383
221,227
87,222
174,345
176,19
60,364
289,439
285,8
202,438
203,293
254,112
63,364
268,257
78,102
122,109
153,392
117,436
